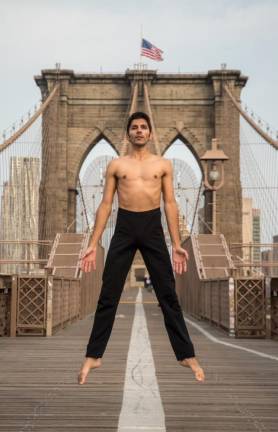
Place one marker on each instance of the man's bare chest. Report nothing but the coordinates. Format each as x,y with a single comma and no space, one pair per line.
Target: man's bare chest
150,174
140,171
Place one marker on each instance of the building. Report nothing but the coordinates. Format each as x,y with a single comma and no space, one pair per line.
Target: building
275,256
256,233
19,211
267,258
251,231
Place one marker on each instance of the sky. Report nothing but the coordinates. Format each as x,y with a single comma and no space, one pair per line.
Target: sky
93,36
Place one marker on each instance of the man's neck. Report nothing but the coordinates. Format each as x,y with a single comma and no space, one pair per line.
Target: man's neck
140,154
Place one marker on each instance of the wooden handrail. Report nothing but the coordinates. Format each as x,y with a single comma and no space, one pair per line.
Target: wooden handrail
18,261
45,242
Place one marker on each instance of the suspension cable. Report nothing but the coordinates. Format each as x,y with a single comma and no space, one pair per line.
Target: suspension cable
196,206
131,110
17,134
259,130
83,202
147,99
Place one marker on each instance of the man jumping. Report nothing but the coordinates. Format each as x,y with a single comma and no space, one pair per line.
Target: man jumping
139,179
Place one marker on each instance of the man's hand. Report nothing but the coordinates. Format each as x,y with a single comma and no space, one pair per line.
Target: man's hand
88,260
180,257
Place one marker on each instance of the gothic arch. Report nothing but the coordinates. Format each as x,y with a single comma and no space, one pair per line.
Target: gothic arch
189,140
92,138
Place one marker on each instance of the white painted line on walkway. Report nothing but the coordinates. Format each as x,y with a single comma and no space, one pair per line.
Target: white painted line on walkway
143,428
141,408
231,345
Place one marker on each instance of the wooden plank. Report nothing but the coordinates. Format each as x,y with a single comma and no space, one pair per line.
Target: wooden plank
39,391
241,389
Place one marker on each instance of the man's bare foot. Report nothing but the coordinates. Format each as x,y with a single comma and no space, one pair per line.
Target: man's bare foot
89,363
196,368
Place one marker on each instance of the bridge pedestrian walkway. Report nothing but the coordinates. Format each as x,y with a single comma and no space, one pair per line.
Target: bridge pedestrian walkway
140,386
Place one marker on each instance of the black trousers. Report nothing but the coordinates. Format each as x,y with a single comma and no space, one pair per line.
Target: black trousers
143,231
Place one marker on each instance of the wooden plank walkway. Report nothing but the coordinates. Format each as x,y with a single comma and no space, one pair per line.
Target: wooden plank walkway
39,390
241,389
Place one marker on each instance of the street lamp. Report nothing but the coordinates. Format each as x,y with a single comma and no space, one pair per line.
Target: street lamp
214,174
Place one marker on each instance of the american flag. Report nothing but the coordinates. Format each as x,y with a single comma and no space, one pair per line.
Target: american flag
149,50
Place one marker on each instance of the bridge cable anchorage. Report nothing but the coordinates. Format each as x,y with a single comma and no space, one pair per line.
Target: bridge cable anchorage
147,100
131,110
30,121
252,123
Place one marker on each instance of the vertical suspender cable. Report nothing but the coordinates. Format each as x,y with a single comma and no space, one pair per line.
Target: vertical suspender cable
134,97
147,100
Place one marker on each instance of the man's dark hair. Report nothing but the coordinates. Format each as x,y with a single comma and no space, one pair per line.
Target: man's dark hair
138,115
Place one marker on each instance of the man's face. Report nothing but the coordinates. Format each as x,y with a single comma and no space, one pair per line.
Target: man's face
139,132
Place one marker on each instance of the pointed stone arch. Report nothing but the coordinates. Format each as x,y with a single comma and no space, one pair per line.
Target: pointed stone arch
87,143
193,195
189,139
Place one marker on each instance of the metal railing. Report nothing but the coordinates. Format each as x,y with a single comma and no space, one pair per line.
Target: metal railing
255,259
22,256
59,300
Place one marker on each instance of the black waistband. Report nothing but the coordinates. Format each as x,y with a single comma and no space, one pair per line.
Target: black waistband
131,212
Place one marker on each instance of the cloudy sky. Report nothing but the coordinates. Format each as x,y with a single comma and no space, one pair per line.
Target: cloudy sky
94,35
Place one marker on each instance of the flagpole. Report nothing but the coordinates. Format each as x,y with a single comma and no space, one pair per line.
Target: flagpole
141,37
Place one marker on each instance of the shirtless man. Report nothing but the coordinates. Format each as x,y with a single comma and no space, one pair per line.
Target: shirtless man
139,179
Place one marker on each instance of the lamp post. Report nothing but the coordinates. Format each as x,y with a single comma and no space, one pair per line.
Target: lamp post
214,174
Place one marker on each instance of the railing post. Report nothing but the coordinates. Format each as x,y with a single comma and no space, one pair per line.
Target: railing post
62,303
231,307
70,295
79,298
268,307
13,307
49,310
201,300
29,257
219,301
210,299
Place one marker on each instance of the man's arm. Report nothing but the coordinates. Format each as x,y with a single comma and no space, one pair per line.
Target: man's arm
104,209
170,205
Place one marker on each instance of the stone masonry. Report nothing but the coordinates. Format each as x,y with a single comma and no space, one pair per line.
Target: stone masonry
88,107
